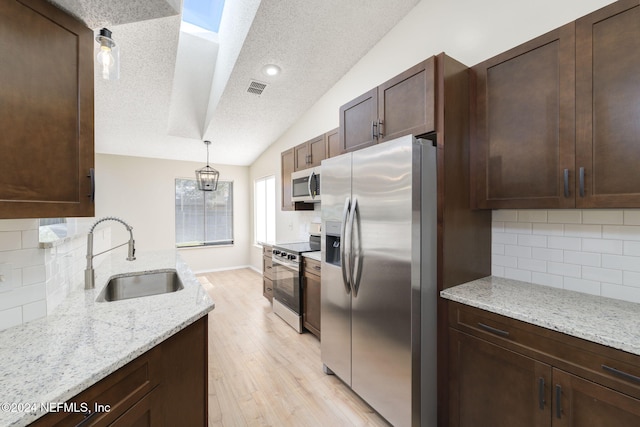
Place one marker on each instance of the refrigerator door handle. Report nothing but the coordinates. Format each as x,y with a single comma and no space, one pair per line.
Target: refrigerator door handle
355,257
344,265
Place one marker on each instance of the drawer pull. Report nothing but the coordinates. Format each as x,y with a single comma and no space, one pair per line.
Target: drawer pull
88,417
566,183
558,401
316,267
493,330
621,374
541,401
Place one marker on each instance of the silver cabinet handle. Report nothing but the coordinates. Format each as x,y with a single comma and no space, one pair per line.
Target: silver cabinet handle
380,134
558,401
374,130
493,330
92,176
581,182
566,183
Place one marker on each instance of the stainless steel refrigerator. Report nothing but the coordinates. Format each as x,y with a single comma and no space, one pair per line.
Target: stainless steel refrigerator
378,295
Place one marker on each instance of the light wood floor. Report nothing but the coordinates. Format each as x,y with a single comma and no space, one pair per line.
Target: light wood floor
263,373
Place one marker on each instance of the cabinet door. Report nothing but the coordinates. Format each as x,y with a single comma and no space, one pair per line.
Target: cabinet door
267,288
357,119
333,143
407,102
492,386
523,125
608,106
286,168
311,304
46,112
146,413
581,403
301,157
317,150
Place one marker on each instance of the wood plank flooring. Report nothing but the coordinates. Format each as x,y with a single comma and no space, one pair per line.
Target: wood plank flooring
262,372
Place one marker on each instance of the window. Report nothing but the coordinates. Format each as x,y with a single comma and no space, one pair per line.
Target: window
203,218
265,209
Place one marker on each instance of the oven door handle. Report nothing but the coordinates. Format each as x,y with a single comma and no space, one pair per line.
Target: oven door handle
289,266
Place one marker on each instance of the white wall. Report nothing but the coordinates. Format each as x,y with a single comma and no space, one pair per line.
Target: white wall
467,30
142,192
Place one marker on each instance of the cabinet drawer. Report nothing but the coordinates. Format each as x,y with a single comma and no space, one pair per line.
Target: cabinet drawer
311,266
267,267
119,392
267,288
267,250
607,366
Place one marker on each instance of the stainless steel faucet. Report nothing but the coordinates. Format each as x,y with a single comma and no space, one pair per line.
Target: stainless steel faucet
89,276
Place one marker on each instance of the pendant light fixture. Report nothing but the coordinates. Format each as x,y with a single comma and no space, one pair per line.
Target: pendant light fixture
207,176
108,56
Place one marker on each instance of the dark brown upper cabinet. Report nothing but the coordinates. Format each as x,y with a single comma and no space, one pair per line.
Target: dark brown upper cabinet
287,165
309,154
556,121
523,125
46,112
401,106
333,143
608,106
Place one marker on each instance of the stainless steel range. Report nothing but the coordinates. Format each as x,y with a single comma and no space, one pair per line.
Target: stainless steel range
287,279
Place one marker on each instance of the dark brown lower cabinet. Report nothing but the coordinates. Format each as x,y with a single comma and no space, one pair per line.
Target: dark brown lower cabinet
503,372
311,296
167,386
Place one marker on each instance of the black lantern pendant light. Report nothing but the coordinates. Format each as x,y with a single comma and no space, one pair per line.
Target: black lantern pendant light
207,177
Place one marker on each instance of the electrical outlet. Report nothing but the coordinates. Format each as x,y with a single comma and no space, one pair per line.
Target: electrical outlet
6,277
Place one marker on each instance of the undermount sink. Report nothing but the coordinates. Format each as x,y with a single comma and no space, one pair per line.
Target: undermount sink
135,285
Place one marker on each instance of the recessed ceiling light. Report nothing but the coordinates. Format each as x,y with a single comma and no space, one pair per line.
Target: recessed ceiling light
271,70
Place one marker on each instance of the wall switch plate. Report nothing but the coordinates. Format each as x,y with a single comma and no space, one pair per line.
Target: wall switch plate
6,277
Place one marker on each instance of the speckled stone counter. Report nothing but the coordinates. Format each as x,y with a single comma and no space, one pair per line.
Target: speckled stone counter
605,321
82,341
313,255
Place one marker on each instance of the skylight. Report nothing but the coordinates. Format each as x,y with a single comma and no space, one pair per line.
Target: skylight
203,13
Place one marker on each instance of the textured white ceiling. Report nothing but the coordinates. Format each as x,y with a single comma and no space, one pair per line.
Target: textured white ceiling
160,108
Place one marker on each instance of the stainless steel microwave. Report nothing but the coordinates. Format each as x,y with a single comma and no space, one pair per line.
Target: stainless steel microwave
305,185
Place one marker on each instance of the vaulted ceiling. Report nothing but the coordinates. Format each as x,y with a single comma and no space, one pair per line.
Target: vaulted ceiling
178,88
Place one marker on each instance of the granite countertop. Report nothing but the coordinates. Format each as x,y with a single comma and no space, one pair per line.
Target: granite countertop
54,358
313,255
606,321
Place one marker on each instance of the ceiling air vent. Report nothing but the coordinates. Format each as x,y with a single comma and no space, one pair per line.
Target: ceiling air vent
256,87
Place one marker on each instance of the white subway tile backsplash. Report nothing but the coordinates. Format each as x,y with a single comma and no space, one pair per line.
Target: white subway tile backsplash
594,251
22,295
583,231
531,240
602,274
631,278
505,261
515,274
567,270
503,238
10,317
34,274
604,246
621,232
620,292
547,279
517,251
582,285
532,216
505,215
517,227
598,216
22,258
497,249
548,229
562,216
621,262
34,310
532,265
568,243
10,240
632,248
19,224
548,254
632,217
30,239
583,258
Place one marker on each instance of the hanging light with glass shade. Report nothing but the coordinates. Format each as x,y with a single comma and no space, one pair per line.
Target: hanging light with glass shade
207,176
108,56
